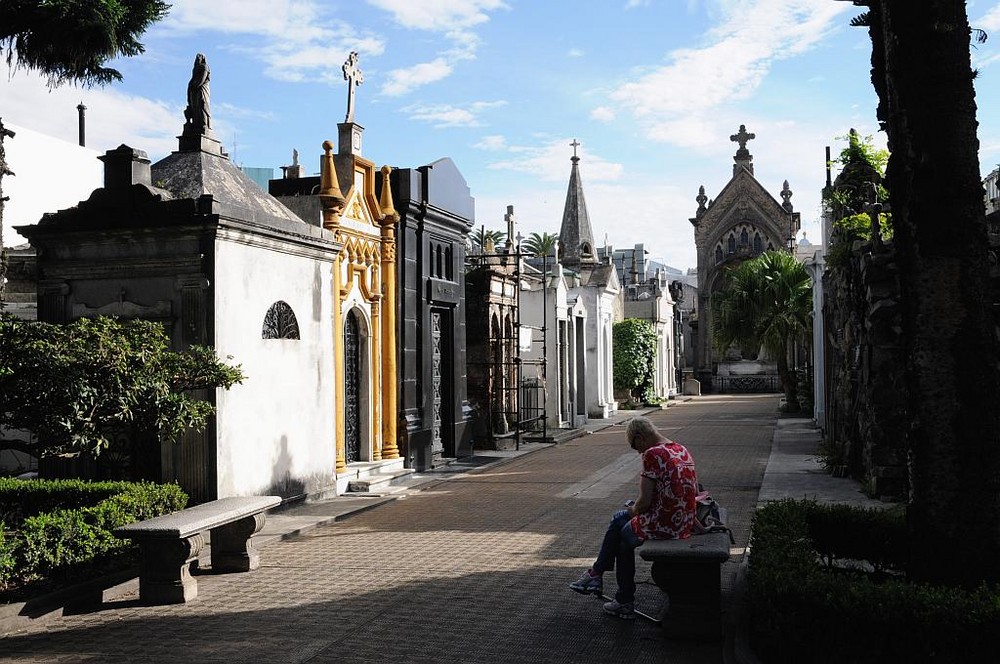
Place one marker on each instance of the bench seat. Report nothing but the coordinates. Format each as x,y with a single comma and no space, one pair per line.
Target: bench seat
169,544
688,571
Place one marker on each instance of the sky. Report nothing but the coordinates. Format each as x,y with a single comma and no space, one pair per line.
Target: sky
651,89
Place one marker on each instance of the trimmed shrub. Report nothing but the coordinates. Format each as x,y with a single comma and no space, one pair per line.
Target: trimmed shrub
805,608
6,555
51,543
20,499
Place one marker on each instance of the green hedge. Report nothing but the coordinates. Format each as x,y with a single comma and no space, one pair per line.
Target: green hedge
48,544
20,499
804,608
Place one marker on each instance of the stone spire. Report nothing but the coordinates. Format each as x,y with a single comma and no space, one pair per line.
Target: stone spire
786,198
576,238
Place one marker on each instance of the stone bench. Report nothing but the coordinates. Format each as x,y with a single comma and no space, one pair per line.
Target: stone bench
169,544
688,571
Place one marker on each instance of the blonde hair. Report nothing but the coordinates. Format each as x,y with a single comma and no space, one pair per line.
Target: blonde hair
640,426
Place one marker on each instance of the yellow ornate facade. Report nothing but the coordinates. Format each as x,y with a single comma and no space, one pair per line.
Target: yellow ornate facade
364,283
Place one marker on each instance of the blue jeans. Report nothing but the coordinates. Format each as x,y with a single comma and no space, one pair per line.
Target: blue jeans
618,553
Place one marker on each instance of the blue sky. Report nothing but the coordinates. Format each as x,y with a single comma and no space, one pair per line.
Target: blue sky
652,89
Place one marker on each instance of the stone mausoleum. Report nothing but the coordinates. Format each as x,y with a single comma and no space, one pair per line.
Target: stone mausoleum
192,243
743,221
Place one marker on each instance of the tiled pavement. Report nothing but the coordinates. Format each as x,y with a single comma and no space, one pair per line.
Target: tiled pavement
472,567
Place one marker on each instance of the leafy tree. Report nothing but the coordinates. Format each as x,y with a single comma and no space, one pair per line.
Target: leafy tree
766,302
70,41
634,342
74,385
858,187
922,74
540,245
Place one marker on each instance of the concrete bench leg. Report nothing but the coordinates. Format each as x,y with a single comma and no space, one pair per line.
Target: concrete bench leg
695,592
232,550
165,569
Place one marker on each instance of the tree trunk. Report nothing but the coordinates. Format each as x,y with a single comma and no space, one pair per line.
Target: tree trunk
788,383
922,73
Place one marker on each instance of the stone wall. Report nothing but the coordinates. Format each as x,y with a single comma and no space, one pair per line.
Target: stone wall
866,418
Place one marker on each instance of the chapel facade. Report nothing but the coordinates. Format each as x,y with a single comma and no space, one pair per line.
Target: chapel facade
743,221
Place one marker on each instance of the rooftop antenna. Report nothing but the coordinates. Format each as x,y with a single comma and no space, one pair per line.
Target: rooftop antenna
82,120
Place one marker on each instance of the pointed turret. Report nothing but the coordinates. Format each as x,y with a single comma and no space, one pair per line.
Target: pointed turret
576,238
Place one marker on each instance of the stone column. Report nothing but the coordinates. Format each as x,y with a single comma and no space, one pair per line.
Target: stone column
332,201
389,379
378,374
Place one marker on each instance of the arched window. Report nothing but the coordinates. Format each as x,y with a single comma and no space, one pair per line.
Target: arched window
280,322
744,238
439,262
448,260
718,253
770,247
585,249
731,245
757,244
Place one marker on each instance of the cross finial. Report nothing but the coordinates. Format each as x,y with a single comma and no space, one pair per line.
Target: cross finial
575,145
741,137
354,78
509,218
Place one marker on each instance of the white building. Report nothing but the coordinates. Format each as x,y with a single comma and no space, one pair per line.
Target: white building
594,284
220,264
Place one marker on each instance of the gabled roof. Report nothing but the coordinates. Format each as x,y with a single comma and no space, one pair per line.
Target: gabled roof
742,186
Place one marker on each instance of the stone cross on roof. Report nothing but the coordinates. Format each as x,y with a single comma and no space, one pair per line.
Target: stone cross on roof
741,137
575,145
354,78
509,218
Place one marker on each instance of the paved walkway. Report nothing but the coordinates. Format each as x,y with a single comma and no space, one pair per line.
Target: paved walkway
470,567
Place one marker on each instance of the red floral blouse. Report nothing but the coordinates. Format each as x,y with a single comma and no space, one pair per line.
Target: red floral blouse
672,512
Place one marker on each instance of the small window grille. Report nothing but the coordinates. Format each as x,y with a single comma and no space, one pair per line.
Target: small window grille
280,322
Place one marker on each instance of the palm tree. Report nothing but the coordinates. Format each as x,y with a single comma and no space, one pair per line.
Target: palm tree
921,55
540,245
766,302
482,238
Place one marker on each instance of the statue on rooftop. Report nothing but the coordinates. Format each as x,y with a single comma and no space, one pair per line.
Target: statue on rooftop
197,112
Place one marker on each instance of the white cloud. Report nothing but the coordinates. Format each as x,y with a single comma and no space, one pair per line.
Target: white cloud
494,142
576,53
990,22
301,41
679,102
631,4
453,18
551,162
985,60
112,117
445,115
603,114
657,214
439,15
401,81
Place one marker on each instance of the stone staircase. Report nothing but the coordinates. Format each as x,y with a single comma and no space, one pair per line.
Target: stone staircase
373,478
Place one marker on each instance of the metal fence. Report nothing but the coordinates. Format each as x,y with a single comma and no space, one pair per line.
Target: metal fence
757,383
